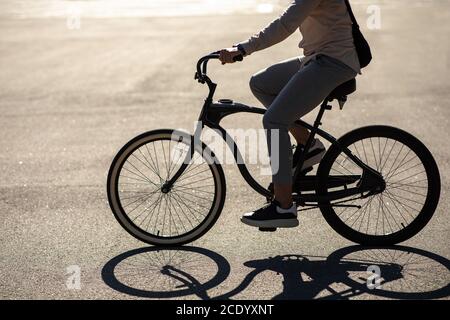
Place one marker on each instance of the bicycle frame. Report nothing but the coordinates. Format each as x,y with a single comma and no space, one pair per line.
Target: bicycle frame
213,112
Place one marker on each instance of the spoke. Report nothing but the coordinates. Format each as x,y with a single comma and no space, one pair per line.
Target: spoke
395,160
151,208
395,205
344,176
378,215
420,203
140,198
157,215
405,185
170,163
382,154
184,197
148,165
363,213
150,211
142,181
175,161
176,211
184,213
416,193
389,154
413,175
190,201
172,219
364,150
133,183
140,203
196,189
156,159
135,191
165,161
194,195
165,215
193,175
374,154
400,164
390,195
393,175
384,215
379,153
343,166
180,199
368,218
138,172
154,163
183,185
193,165
341,173
138,194
389,211
139,175
346,208
357,209
357,152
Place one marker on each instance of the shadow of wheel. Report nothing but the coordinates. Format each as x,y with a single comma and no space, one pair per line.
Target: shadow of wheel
166,272
405,272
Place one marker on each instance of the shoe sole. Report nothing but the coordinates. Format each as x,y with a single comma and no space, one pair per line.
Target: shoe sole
313,160
275,223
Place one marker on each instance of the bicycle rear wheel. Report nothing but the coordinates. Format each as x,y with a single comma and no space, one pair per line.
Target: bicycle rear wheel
409,199
176,216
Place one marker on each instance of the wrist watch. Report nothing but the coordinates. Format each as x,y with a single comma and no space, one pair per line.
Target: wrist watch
241,49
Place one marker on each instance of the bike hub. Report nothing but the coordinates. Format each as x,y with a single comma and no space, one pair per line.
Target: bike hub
166,187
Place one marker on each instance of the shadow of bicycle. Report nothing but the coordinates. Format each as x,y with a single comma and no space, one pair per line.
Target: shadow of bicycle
397,272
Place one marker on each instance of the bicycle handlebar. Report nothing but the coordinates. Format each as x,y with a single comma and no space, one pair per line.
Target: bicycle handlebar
202,63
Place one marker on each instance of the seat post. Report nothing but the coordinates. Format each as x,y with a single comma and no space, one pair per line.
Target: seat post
324,106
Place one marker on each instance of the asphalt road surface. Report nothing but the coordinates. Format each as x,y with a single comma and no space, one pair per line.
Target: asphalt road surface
70,98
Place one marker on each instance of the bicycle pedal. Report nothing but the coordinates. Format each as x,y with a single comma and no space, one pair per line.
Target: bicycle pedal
267,229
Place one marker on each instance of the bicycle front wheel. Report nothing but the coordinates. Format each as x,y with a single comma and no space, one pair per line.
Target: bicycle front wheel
409,199
165,217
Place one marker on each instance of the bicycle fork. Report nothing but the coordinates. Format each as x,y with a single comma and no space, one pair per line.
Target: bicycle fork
167,186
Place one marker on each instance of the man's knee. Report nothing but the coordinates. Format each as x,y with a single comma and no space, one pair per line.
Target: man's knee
254,83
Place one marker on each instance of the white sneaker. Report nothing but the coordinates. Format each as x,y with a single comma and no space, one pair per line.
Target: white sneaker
314,155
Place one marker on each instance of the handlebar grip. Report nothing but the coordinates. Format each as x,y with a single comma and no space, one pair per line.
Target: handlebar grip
238,58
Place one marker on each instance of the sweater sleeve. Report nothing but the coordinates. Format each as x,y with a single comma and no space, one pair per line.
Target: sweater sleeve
280,28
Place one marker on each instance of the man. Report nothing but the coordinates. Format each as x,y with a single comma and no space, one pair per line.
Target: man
292,88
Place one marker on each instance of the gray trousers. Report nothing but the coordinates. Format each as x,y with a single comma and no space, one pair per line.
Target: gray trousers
289,90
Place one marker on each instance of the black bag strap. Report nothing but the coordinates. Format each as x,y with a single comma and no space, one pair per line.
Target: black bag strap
352,16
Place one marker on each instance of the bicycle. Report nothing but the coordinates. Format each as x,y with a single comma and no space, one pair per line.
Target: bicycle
171,196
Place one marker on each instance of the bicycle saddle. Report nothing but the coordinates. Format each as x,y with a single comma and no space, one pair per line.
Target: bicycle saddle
342,90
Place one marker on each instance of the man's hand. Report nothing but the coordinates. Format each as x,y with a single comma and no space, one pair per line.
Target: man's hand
227,55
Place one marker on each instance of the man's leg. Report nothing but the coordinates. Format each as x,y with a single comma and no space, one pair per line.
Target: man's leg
304,91
268,83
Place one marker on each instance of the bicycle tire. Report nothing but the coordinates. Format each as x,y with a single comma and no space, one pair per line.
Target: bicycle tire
156,239
433,187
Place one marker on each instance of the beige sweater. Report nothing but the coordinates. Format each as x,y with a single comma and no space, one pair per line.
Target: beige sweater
324,24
